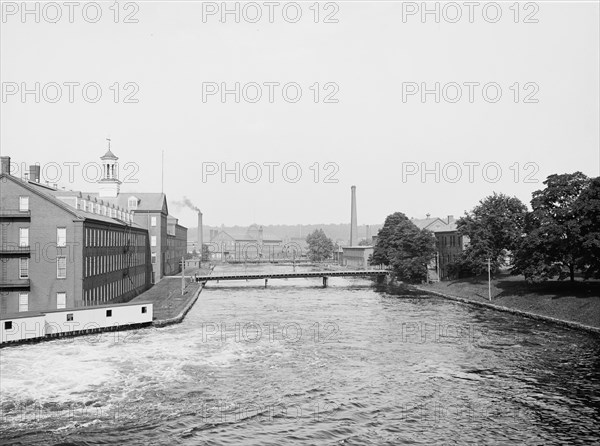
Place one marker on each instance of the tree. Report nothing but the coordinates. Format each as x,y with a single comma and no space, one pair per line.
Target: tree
405,247
320,247
412,250
382,253
494,227
553,245
587,209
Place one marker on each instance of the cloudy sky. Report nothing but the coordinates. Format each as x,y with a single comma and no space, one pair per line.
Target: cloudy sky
340,102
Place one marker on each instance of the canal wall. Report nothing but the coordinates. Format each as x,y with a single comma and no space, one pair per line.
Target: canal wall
527,314
179,317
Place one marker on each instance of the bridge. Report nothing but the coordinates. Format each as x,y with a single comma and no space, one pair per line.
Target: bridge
379,273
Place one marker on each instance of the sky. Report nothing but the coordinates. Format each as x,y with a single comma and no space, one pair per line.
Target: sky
515,103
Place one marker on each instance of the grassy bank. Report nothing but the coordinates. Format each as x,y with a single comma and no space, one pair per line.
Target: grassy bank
575,302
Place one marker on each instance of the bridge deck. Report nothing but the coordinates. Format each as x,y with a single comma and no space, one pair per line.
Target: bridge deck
305,274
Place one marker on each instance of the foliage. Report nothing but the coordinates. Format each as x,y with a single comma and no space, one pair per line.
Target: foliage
320,247
555,244
382,253
494,228
405,247
587,209
205,253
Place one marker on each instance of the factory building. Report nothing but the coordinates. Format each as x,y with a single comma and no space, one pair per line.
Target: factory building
68,249
66,252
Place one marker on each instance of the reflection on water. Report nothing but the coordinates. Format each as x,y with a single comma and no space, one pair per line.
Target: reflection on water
296,362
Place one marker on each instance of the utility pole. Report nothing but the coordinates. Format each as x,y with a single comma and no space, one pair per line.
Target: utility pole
182,275
489,279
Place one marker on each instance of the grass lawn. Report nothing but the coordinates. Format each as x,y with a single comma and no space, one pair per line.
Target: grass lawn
577,302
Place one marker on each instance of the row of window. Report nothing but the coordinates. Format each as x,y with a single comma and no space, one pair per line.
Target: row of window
61,301
106,264
101,209
94,237
112,290
449,240
109,237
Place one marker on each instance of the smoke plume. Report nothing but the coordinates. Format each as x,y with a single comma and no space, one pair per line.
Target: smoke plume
187,203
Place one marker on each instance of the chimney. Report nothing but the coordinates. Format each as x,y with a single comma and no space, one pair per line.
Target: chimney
200,238
34,173
427,215
5,164
450,218
353,221
260,235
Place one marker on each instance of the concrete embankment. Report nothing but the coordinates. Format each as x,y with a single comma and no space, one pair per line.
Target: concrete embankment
170,304
528,314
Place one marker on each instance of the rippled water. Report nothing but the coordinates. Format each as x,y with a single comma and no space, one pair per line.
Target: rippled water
299,363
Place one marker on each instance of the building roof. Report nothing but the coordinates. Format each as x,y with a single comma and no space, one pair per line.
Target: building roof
109,156
147,201
53,196
434,224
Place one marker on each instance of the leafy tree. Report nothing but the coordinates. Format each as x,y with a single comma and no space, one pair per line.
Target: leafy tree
382,253
320,247
494,227
554,243
587,208
405,247
412,250
205,253
363,242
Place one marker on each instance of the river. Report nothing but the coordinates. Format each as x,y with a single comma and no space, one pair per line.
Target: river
297,363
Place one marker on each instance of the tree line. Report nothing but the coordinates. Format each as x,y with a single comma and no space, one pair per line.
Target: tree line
558,238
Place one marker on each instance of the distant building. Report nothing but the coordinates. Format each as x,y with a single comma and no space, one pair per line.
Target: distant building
356,256
449,243
250,245
64,251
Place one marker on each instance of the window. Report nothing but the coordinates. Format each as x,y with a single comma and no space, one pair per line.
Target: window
24,268
153,240
61,300
23,204
153,258
24,237
144,310
61,237
108,313
61,267
152,221
69,316
23,302
132,203
8,325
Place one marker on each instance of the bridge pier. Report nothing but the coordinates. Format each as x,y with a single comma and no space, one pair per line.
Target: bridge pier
266,281
325,281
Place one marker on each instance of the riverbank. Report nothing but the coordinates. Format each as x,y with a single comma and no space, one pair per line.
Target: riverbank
574,304
170,304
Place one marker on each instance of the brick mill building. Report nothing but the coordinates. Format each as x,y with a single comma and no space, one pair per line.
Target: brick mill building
66,249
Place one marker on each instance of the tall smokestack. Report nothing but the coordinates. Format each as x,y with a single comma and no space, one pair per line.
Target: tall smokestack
353,221
200,238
